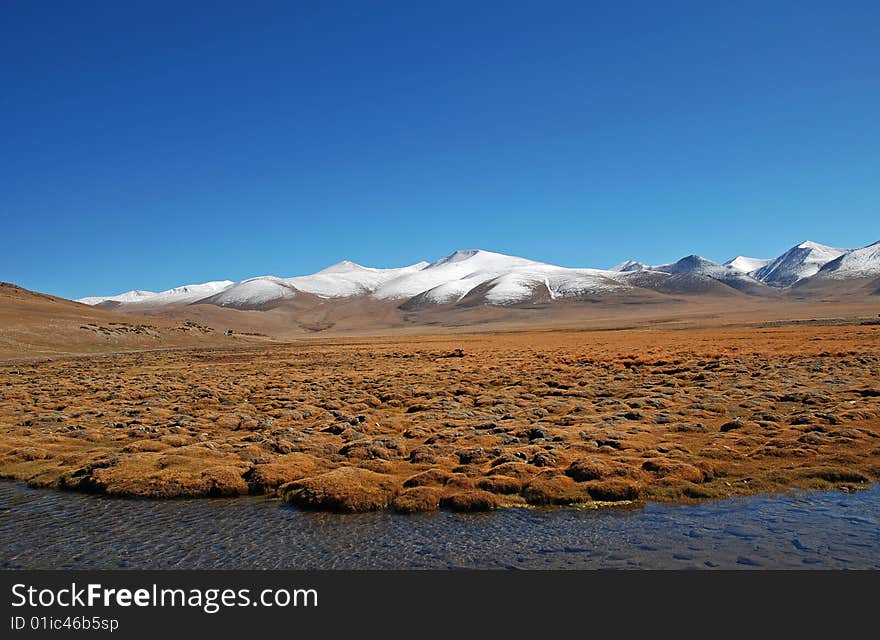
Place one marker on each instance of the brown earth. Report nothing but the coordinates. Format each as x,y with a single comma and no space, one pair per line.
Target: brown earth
466,422
35,325
310,317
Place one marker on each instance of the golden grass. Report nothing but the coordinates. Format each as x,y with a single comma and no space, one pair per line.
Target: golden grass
540,418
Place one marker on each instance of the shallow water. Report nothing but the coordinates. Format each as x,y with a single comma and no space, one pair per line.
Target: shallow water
51,529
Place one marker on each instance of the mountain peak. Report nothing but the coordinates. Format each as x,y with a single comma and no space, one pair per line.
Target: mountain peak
343,265
213,287
458,256
858,263
134,295
797,263
629,266
482,259
689,263
508,277
744,264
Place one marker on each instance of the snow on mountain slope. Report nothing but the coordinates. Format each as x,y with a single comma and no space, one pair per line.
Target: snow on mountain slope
454,290
747,265
559,282
704,267
485,277
187,293
858,263
690,270
797,263
178,295
473,266
629,266
519,284
249,294
135,295
346,279
688,264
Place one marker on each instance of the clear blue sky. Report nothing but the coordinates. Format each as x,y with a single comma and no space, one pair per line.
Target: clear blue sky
150,144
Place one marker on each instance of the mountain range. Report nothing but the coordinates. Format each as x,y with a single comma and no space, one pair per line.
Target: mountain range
477,277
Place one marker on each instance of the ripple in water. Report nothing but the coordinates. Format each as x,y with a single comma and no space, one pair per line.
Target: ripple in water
49,529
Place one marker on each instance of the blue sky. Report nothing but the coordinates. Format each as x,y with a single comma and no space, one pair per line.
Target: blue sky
150,144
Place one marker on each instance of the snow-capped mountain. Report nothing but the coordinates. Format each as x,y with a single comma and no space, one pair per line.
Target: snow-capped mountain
747,265
521,283
559,283
451,277
700,266
858,263
185,294
797,263
252,293
346,279
475,277
629,266
500,279
135,295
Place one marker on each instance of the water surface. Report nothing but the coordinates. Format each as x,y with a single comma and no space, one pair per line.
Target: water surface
52,529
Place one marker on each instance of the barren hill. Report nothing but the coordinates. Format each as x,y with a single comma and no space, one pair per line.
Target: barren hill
35,324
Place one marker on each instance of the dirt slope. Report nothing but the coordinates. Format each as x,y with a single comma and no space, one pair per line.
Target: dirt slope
35,324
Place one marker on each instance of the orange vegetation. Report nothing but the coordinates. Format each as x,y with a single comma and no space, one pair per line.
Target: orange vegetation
462,422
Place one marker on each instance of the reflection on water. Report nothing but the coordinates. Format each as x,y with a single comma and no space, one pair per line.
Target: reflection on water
49,529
